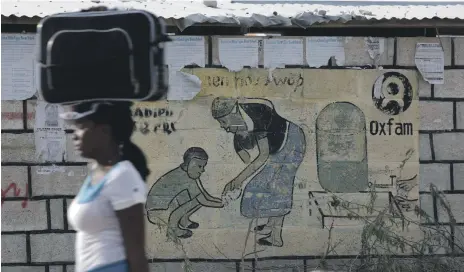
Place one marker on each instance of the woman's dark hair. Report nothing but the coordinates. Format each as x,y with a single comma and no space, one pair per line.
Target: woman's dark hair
122,127
119,117
134,154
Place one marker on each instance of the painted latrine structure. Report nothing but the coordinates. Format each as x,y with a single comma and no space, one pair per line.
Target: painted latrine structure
261,157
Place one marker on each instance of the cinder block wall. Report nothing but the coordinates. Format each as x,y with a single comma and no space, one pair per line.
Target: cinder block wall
35,232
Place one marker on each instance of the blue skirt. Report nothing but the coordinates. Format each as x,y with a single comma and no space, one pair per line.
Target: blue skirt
270,192
121,266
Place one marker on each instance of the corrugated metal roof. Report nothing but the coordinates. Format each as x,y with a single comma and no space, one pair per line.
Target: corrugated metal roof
186,13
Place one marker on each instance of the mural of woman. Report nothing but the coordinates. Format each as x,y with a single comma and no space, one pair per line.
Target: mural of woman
270,176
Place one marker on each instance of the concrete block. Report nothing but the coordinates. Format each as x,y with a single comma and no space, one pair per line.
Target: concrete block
441,237
406,49
425,152
23,268
14,176
280,265
56,213
436,115
356,53
70,268
459,51
453,85
167,267
61,251
425,88
448,146
436,174
31,104
460,115
18,147
323,265
12,115
246,266
456,205
458,174
57,180
459,238
426,205
14,248
56,268
24,215
214,266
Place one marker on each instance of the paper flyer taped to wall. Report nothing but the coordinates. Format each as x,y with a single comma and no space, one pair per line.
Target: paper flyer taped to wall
430,61
281,52
375,47
236,53
18,66
50,136
320,50
183,51
183,86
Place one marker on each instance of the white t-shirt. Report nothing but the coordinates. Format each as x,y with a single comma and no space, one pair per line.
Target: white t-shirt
99,240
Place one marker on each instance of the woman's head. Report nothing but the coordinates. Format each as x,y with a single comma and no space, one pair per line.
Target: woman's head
226,112
104,129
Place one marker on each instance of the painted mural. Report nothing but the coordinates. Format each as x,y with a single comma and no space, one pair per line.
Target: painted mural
256,163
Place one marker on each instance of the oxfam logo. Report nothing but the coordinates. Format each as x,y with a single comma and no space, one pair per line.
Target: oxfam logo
392,93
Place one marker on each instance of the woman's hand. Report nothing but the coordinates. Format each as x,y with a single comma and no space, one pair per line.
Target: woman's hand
231,186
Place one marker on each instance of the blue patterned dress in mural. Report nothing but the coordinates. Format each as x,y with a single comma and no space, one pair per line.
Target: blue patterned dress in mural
269,192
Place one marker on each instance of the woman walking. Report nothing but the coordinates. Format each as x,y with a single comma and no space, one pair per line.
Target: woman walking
281,145
108,212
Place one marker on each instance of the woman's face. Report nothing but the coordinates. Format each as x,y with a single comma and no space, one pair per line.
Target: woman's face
232,123
89,137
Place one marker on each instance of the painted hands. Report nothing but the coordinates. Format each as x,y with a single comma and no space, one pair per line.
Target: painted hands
231,196
219,201
232,186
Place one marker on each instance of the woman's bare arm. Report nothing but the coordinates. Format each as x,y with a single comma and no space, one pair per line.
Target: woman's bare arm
244,156
132,222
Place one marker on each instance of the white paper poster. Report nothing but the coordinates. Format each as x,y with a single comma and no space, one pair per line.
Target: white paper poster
185,50
430,61
319,51
50,137
18,66
281,52
183,86
235,53
375,46
47,115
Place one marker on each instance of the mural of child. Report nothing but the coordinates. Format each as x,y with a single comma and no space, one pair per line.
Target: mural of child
269,177
181,191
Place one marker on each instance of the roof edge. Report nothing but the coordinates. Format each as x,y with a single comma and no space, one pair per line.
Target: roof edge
197,21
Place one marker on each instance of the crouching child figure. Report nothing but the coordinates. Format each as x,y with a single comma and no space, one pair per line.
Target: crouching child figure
181,192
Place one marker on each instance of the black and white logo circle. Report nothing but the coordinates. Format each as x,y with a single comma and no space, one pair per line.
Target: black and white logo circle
392,93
